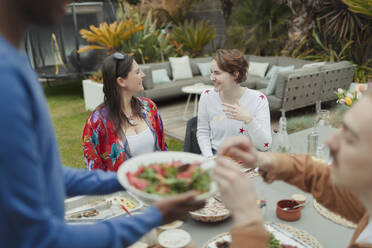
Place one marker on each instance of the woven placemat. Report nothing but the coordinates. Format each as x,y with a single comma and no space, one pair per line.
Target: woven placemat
300,234
332,216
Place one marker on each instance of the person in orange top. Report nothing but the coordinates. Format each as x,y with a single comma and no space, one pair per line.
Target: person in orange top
344,187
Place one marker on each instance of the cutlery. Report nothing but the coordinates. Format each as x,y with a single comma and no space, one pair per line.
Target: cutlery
288,234
100,206
294,207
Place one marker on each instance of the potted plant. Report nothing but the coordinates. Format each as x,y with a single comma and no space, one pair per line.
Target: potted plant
93,91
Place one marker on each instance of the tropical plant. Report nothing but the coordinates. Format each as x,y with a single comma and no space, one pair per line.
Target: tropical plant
340,22
301,52
323,48
194,36
360,6
362,73
150,44
302,21
109,37
265,26
170,11
330,53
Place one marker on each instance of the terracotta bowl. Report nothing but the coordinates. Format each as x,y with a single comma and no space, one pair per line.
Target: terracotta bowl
290,214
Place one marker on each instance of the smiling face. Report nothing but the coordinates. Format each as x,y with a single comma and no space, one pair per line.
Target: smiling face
133,82
222,80
351,148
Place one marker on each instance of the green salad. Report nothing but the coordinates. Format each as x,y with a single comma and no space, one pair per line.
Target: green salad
170,178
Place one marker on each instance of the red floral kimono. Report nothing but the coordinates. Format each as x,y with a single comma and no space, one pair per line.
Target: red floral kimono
105,150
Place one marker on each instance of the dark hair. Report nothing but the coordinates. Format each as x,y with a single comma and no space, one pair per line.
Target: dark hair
113,100
231,61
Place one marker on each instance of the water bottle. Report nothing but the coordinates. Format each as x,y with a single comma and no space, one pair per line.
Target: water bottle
282,139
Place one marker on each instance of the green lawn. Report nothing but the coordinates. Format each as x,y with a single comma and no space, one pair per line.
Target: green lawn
68,116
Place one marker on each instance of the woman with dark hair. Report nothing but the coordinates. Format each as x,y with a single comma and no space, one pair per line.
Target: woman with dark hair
124,125
231,109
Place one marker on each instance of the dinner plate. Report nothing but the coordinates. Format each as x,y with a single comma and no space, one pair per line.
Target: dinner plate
147,159
283,236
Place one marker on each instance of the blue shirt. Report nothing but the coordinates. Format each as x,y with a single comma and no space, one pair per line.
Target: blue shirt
34,184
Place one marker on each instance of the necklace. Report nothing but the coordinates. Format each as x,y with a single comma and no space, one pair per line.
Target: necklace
131,121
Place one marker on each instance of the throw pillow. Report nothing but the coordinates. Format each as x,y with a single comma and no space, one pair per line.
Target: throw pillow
313,64
257,69
272,70
272,83
160,76
270,73
181,68
204,68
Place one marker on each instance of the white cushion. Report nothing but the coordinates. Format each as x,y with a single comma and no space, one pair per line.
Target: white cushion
181,68
160,76
204,68
313,64
257,69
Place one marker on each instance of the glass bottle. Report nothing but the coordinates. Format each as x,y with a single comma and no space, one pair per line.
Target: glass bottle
282,139
321,126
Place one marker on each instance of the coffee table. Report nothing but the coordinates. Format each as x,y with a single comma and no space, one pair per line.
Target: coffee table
196,90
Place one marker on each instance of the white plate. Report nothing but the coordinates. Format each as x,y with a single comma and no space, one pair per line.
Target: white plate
281,237
174,238
133,164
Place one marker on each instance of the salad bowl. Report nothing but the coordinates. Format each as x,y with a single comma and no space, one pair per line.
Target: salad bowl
133,165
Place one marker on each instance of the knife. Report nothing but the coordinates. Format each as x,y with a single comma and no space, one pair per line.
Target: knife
288,234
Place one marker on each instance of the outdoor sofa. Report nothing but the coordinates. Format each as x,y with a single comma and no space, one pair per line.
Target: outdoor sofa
298,88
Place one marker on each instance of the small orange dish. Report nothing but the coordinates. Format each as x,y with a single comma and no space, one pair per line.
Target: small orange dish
285,210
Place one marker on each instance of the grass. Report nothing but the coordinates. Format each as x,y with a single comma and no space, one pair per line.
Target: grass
68,115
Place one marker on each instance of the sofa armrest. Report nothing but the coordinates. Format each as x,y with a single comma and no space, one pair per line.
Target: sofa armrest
147,81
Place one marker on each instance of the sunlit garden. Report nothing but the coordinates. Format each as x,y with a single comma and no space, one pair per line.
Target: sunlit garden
127,79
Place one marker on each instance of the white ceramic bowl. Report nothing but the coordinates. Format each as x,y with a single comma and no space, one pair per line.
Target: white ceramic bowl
133,164
174,238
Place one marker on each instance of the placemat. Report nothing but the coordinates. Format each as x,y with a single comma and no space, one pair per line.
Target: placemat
301,234
332,216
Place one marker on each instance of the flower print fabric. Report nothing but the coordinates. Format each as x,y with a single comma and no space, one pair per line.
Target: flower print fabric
106,150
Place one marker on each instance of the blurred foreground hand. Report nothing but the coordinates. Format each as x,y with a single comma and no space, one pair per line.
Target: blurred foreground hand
178,207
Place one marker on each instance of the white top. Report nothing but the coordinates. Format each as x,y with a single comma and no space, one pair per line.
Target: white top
214,126
365,236
141,143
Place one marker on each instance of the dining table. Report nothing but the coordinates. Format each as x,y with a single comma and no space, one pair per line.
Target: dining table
328,233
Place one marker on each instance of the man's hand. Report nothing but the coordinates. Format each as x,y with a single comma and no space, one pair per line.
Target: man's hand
178,207
241,148
237,192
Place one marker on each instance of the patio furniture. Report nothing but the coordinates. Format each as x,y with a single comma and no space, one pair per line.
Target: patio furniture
191,142
296,89
196,90
173,89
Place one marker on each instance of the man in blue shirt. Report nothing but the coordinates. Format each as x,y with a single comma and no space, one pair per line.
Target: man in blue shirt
33,184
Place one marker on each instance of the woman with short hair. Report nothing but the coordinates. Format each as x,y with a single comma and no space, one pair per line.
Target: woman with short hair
231,109
124,125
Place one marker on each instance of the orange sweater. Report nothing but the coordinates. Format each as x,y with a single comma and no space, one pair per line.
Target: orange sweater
313,177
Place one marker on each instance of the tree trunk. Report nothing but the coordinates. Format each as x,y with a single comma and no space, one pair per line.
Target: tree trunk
301,24
226,9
